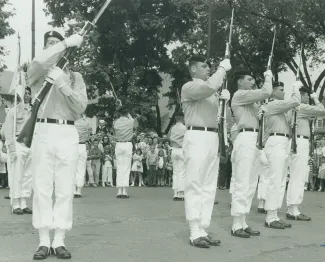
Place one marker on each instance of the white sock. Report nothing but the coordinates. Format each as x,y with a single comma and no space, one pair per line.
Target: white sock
175,193
203,232
44,237
271,216
75,190
295,210
261,203
236,223
23,203
124,192
58,238
243,222
194,229
15,203
119,191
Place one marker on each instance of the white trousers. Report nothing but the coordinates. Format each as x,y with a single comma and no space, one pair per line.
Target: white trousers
81,166
277,152
178,169
123,153
262,181
298,168
245,167
54,162
20,181
200,149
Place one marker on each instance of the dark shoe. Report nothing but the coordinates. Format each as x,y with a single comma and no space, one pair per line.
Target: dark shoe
62,253
300,217
7,197
216,202
42,253
119,196
27,211
17,211
249,230
286,225
212,242
275,225
240,233
261,211
199,242
77,196
176,198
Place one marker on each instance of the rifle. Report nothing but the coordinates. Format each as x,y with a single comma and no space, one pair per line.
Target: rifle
261,121
312,135
294,122
26,135
223,140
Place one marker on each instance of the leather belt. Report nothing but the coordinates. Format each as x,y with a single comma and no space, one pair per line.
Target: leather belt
55,121
279,134
300,136
82,143
249,130
200,128
124,141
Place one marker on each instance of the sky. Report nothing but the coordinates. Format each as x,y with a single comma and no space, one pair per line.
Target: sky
21,23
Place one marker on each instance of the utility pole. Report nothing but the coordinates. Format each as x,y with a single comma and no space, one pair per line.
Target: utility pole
209,30
33,29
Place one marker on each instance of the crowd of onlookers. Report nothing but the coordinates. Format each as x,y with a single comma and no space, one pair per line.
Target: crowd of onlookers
151,161
152,164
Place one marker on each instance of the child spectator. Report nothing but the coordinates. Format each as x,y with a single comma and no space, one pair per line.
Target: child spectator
161,164
89,168
169,171
321,175
107,175
3,169
137,167
152,159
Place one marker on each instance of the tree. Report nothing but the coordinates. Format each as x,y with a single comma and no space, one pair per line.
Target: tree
5,29
128,48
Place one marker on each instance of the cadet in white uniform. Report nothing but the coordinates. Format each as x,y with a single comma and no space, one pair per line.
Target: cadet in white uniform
83,127
299,162
200,146
19,162
277,148
123,128
55,144
177,133
245,153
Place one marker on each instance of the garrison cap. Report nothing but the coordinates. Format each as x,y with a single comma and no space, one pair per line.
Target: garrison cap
53,34
278,83
28,89
199,58
124,110
305,90
242,72
179,113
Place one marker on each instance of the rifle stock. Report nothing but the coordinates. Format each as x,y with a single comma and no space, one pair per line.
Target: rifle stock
294,134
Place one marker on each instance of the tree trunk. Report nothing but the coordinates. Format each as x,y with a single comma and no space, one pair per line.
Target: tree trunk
171,121
319,80
321,94
158,127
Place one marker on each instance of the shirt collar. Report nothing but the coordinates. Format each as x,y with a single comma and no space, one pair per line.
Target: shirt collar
197,80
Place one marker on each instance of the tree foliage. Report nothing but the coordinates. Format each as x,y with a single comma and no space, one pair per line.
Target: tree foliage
5,29
129,46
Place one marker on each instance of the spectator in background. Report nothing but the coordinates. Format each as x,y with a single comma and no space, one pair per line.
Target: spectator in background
107,171
152,159
137,168
161,164
3,169
96,155
89,169
321,174
101,127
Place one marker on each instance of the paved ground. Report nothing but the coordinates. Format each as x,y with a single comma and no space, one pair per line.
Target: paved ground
150,227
